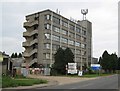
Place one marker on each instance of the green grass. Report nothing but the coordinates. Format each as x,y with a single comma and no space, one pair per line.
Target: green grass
10,82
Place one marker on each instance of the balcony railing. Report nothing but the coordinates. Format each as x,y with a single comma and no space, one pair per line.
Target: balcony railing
30,24
28,54
30,43
33,61
30,33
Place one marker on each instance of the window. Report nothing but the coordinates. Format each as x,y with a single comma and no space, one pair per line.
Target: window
56,20
55,38
47,55
78,30
77,44
64,24
78,36
47,17
83,53
71,34
47,26
83,39
55,47
77,51
56,29
47,46
71,27
83,45
83,32
64,32
64,40
70,42
47,36
78,59
35,18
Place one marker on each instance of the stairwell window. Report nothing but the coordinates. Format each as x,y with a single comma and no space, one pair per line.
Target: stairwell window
47,55
47,36
47,26
48,17
47,46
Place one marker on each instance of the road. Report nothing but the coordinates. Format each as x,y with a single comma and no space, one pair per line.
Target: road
108,82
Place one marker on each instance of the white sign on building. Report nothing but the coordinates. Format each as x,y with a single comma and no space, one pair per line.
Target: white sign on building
72,68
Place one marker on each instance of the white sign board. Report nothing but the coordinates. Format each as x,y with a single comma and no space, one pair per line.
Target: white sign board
72,68
80,73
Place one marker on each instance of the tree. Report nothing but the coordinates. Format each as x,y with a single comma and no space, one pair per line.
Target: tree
113,62
20,55
69,56
118,64
13,55
108,62
59,65
100,59
104,60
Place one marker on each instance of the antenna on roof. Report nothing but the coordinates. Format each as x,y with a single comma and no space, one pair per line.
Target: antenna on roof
84,12
57,11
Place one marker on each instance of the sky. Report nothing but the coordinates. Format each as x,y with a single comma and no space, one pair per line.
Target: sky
103,15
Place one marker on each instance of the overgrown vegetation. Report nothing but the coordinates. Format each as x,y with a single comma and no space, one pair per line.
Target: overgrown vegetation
20,81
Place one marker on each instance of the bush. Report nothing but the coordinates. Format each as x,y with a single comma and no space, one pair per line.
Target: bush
53,72
90,71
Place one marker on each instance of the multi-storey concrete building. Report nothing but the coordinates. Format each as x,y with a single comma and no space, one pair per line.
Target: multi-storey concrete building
47,31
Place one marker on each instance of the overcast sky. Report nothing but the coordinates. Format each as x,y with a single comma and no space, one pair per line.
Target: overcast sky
103,15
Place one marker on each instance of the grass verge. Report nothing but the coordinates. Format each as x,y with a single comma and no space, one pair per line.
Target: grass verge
14,82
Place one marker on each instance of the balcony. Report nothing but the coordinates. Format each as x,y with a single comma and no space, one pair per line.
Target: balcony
28,54
33,61
33,42
28,34
30,24
25,44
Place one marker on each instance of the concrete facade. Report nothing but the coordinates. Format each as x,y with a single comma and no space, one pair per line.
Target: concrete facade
46,31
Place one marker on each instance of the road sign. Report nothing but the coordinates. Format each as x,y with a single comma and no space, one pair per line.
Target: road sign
95,66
